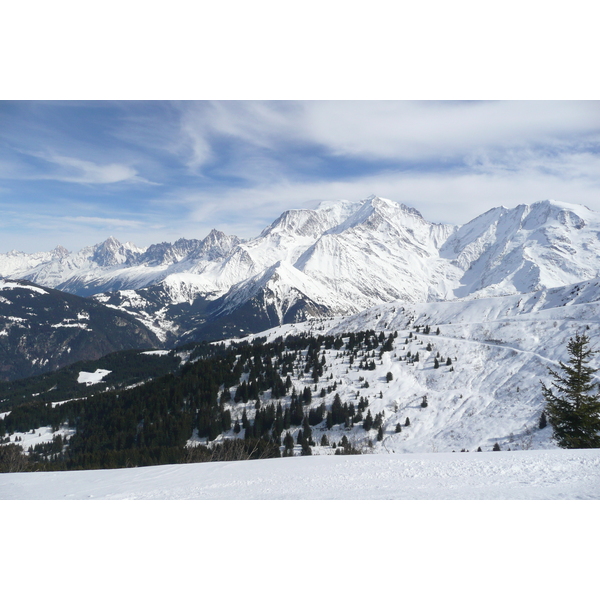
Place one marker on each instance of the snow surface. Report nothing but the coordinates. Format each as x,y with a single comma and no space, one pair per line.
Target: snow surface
40,435
14,285
534,475
91,378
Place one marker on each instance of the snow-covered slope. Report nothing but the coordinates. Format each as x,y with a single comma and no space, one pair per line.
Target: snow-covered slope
383,251
530,247
492,354
538,475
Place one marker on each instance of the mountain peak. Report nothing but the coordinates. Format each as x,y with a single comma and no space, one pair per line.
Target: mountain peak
544,212
60,252
110,253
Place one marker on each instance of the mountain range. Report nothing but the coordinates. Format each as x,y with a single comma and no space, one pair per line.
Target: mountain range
337,259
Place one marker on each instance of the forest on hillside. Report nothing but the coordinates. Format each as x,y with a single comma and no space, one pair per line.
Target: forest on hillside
234,401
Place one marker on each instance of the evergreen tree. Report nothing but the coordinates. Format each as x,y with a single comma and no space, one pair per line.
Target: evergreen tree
574,410
380,433
398,428
389,377
307,395
543,422
496,447
407,422
306,449
288,441
436,364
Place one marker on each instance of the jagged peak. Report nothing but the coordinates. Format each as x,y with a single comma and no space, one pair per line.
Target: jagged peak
109,243
216,236
60,252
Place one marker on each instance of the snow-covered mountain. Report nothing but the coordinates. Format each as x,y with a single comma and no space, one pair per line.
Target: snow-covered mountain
337,259
530,247
111,265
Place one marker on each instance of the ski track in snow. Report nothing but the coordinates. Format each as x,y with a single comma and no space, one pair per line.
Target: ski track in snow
506,347
533,475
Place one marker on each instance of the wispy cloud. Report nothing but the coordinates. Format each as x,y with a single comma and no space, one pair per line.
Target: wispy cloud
107,222
401,131
77,170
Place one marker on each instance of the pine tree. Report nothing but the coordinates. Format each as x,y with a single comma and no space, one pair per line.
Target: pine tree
574,411
398,428
496,447
543,422
288,441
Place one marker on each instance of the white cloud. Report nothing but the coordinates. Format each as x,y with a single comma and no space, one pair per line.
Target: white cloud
421,130
106,222
77,170
393,130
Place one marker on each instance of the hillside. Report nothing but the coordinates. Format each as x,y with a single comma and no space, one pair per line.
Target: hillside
43,329
364,383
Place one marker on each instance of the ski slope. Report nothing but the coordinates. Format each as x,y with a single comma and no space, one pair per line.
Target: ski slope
533,475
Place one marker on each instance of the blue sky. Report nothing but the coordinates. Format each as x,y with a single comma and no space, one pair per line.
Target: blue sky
75,172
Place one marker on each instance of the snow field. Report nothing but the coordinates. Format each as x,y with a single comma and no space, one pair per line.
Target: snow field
41,435
92,378
535,475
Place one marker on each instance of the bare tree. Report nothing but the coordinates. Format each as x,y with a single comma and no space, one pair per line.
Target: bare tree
12,459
